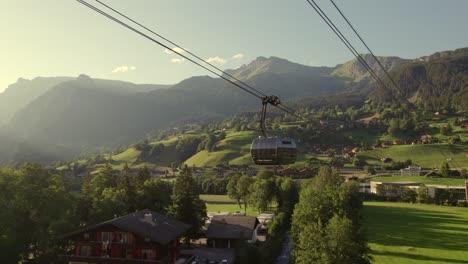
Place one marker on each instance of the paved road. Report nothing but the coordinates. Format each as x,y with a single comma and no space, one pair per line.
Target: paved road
285,255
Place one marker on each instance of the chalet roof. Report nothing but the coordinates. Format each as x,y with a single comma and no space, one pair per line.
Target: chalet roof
159,228
232,227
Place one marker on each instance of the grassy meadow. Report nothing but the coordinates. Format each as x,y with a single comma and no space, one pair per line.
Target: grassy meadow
399,232
416,234
222,203
421,179
427,156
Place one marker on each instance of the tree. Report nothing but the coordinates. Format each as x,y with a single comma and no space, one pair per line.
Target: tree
287,195
243,189
232,189
422,196
109,179
445,169
262,192
370,170
444,130
142,176
187,205
110,204
449,128
128,186
327,222
210,143
394,127
408,195
264,174
464,173
155,195
33,217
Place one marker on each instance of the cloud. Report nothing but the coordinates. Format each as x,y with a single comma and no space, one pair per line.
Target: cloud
216,60
176,49
177,60
123,69
238,56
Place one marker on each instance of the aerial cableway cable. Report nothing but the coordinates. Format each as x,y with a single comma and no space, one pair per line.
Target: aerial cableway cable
345,41
259,96
178,46
367,47
284,149
233,80
279,105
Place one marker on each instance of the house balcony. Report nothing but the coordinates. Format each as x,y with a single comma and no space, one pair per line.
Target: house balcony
110,260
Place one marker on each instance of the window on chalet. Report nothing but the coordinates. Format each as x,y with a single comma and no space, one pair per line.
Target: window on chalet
126,238
106,236
147,253
86,251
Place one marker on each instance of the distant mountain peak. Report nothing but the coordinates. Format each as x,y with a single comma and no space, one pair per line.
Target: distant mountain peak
22,80
272,65
355,70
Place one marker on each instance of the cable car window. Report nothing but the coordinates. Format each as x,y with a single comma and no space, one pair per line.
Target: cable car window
287,142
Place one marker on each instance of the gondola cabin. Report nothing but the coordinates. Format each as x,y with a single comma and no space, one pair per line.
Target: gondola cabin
273,151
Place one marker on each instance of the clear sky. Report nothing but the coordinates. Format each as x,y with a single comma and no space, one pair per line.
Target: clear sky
63,38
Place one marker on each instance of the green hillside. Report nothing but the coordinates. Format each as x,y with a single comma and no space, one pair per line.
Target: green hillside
427,156
234,149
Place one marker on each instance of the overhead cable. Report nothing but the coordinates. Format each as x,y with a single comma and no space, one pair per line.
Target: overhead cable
370,51
345,41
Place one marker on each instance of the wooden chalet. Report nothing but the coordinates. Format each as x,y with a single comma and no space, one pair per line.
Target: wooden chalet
141,237
229,231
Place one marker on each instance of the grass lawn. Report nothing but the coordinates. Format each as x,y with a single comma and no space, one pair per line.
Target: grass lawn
235,149
416,234
421,179
427,156
222,203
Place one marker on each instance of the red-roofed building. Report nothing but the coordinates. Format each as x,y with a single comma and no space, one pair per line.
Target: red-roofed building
140,237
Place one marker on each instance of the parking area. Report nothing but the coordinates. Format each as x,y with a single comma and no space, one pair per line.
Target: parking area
211,255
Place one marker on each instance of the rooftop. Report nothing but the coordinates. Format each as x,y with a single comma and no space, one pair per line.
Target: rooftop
232,227
159,228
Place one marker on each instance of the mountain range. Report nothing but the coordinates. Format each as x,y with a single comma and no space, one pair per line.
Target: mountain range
57,118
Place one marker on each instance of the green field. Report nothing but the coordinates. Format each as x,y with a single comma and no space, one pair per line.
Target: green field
416,234
222,203
235,149
427,156
421,179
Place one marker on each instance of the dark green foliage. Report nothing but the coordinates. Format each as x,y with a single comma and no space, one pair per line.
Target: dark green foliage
187,205
370,170
464,173
130,190
326,225
155,195
422,195
35,212
408,195
439,82
142,176
445,169
187,147
262,192
212,184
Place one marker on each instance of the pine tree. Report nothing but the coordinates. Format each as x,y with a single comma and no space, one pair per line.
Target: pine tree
187,205
128,186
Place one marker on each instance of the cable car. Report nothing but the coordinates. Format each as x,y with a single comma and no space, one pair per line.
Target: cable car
273,151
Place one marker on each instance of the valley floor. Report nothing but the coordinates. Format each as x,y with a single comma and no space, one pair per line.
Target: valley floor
399,232
416,233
